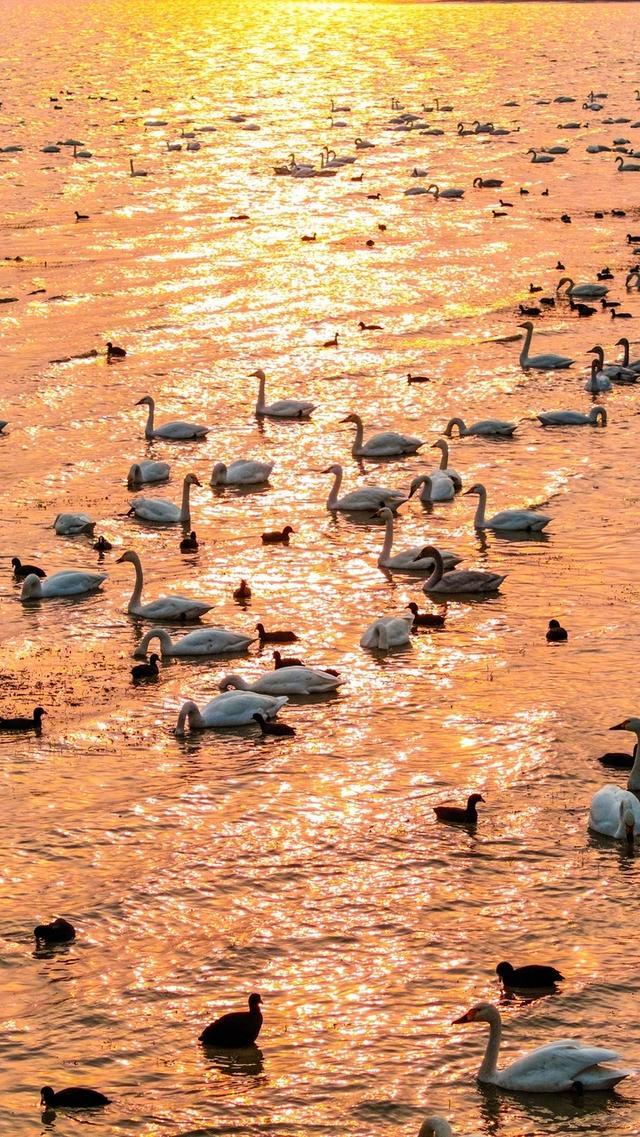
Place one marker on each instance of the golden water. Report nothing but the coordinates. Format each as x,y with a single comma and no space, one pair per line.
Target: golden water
311,869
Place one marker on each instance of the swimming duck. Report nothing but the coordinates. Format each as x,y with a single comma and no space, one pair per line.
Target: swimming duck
242,593
425,619
20,571
277,536
279,637
34,723
115,352
236,1029
532,975
279,729
286,661
102,545
556,633
148,670
75,1097
189,544
461,815
59,931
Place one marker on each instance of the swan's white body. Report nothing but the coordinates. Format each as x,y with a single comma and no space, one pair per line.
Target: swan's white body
554,1068
387,632
363,500
383,445
232,708
202,641
547,362
160,512
165,607
284,408
598,380
582,291
574,418
66,583
286,681
615,813
511,520
243,472
435,487
72,524
485,427
147,471
444,468
176,431
460,581
410,560
435,1127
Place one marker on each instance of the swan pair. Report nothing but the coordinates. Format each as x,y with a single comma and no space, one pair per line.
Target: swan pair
415,559
615,812
232,708
442,483
286,681
175,431
384,445
366,499
283,408
165,607
161,512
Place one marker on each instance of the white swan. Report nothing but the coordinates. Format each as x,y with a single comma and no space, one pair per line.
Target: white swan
548,362
554,1068
177,431
435,1127
586,291
462,581
387,632
165,607
484,428
541,159
283,408
66,583
435,487
72,524
615,813
634,276
509,519
598,380
381,445
633,726
416,559
242,472
444,468
147,471
365,499
202,641
574,418
451,192
233,708
285,681
161,512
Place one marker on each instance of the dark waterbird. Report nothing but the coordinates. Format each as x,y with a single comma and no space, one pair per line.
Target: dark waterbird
102,545
286,661
146,670
34,723
75,1097
115,352
189,544
418,378
81,216
242,592
59,931
467,815
279,729
425,619
556,634
279,637
236,1029
533,975
277,536
20,571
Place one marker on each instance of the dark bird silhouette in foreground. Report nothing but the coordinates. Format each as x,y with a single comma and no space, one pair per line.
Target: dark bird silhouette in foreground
81,216
237,1029
279,637
242,592
425,619
529,310
286,661
533,975
556,634
75,1097
146,670
331,343
102,545
279,729
618,759
20,570
115,352
34,723
467,815
277,536
189,544
418,378
59,931
369,327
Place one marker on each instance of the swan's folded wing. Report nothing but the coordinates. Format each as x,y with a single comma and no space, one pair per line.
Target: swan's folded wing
557,1064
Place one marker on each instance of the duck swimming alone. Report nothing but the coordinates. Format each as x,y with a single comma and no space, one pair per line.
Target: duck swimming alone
75,1097
460,815
236,1029
532,975
59,931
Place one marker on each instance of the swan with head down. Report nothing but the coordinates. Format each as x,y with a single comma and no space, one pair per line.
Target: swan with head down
147,471
387,632
435,487
597,416
484,428
243,472
232,708
73,524
69,582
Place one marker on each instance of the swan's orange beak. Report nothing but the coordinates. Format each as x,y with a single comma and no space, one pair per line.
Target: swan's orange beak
467,1017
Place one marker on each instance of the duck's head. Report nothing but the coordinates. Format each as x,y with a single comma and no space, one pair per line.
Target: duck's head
505,971
47,1096
38,713
254,999
16,562
154,658
287,530
474,799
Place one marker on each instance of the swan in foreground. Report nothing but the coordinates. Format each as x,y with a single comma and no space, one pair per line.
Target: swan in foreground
598,380
509,519
615,813
66,583
415,559
444,468
147,471
547,362
461,581
233,708
283,408
72,524
574,418
387,632
381,445
165,607
365,499
586,291
435,487
161,512
202,641
484,428
285,681
555,1068
243,472
177,431
633,726
435,1126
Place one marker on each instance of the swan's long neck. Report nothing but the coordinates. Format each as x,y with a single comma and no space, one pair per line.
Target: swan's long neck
185,510
357,442
634,777
455,422
489,1066
260,401
624,343
148,430
478,520
335,489
444,454
593,382
155,634
438,570
189,711
524,354
136,595
385,551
